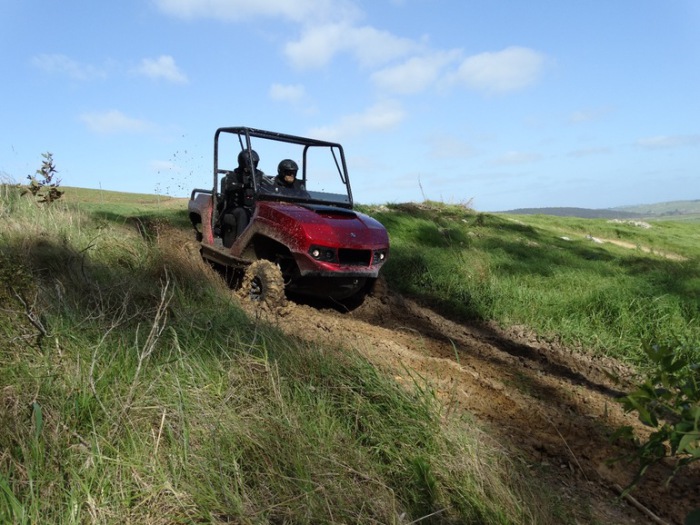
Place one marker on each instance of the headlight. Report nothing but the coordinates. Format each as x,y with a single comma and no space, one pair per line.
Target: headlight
379,256
323,253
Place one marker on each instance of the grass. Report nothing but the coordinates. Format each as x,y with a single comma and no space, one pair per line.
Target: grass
553,274
119,207
133,389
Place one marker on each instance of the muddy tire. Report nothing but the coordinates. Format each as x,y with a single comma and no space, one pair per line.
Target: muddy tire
263,284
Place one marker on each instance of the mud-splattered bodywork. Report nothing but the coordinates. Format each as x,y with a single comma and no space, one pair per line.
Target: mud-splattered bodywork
322,245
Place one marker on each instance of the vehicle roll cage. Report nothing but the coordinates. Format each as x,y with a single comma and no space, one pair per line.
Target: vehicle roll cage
245,134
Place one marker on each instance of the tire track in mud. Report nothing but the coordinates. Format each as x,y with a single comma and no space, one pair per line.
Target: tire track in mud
552,405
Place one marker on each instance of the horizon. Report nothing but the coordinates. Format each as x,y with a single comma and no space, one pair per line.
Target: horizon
613,208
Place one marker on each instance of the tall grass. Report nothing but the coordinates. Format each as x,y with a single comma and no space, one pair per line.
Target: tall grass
550,274
134,390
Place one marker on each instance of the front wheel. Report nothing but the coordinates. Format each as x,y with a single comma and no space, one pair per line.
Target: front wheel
263,284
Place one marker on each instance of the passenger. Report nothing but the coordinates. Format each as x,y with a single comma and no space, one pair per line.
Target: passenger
286,178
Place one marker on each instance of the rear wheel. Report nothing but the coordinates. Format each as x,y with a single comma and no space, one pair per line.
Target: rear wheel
263,284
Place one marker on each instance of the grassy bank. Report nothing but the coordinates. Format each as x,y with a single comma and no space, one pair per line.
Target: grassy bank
134,390
607,286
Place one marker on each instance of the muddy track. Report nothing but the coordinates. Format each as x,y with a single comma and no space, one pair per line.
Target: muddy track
551,405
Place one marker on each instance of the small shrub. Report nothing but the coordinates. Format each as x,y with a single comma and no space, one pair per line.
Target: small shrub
669,401
42,184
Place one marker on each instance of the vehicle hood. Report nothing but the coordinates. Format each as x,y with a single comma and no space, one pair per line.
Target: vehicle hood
325,225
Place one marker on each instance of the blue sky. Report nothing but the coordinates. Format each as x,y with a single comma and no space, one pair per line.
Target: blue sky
498,104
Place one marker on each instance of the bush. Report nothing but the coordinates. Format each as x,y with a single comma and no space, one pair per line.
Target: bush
669,401
42,185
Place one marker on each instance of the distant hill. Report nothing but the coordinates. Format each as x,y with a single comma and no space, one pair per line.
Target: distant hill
670,210
585,213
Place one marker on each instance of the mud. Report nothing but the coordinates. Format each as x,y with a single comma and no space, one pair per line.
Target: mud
551,405
554,406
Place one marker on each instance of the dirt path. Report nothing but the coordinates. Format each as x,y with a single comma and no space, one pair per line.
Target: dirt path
553,405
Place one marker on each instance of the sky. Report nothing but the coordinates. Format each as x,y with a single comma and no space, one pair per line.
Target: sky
493,104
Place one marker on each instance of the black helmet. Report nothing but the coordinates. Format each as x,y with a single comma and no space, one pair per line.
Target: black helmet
286,168
243,159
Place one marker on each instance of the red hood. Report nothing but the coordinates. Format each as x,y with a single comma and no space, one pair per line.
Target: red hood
324,225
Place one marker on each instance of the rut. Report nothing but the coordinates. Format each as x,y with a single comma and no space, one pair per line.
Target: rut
553,406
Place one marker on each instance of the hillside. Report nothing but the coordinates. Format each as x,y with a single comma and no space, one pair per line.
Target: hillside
584,213
660,209
676,210
478,386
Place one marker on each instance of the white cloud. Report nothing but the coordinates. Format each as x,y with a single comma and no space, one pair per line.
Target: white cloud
380,117
236,10
57,63
449,147
589,152
162,67
588,115
415,74
669,141
511,69
288,93
369,46
512,158
367,163
114,121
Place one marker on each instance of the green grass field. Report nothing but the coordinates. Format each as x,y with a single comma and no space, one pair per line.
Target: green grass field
133,389
608,286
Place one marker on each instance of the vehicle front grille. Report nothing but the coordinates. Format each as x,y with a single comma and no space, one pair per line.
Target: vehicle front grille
355,257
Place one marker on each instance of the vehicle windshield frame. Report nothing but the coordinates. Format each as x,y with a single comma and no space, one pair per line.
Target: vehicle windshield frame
265,189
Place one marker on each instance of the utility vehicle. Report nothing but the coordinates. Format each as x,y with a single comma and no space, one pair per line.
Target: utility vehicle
307,241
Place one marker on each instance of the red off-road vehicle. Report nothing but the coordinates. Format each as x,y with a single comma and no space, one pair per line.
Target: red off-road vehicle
305,239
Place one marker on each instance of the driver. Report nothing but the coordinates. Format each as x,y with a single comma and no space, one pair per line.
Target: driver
287,177
236,188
